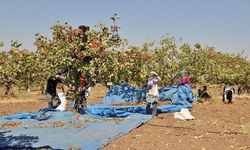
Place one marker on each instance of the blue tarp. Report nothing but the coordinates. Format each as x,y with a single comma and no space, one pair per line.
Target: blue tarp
177,94
77,131
124,93
97,127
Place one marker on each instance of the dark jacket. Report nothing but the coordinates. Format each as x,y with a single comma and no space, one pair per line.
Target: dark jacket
51,85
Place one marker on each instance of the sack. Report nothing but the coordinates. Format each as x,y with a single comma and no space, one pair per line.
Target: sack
184,114
65,104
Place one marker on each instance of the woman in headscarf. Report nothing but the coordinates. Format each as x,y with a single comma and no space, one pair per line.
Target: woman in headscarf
152,95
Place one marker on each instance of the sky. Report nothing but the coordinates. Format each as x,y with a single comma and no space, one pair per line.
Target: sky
223,24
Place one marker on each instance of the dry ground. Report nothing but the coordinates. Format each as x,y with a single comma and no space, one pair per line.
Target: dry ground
217,126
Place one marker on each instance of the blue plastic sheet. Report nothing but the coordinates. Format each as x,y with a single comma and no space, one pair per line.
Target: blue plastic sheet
83,132
100,124
124,93
177,94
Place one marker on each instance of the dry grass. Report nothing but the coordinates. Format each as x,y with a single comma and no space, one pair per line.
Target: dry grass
98,92
246,128
21,96
34,95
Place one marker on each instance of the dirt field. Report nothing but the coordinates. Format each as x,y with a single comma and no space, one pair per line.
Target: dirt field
217,126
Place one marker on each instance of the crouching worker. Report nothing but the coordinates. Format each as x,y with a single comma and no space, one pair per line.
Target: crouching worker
228,94
202,93
51,94
152,95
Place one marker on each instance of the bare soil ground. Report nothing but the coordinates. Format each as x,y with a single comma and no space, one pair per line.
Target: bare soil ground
217,126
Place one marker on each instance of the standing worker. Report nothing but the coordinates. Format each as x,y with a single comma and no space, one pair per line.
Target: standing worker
74,76
152,95
184,77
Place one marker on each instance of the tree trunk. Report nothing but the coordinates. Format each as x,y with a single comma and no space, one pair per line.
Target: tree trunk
27,88
42,89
